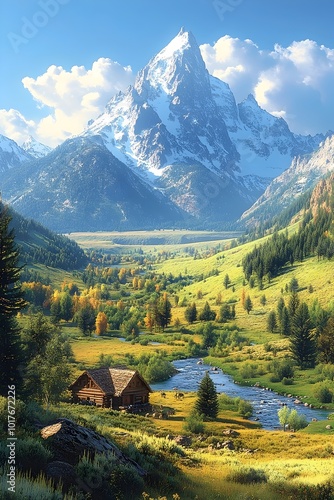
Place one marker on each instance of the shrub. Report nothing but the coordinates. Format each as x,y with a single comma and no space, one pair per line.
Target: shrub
297,421
282,369
31,455
110,478
124,483
323,393
248,370
247,475
245,409
27,488
20,413
287,381
194,423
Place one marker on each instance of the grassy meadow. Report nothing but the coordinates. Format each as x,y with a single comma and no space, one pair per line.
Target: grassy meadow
256,464
151,241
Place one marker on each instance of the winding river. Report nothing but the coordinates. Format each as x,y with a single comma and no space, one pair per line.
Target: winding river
265,403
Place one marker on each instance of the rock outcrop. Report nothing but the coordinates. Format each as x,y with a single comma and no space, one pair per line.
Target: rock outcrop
70,441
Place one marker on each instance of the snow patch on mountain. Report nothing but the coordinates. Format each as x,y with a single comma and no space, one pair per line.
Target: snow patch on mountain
34,148
11,154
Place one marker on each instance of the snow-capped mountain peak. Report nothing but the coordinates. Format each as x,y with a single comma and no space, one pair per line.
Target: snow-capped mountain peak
35,148
174,67
176,114
11,154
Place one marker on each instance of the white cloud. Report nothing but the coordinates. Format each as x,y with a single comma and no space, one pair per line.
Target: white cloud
15,126
295,82
70,98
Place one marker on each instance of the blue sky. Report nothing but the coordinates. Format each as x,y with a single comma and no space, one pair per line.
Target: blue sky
37,35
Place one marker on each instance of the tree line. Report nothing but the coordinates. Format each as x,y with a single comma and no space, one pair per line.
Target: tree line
312,238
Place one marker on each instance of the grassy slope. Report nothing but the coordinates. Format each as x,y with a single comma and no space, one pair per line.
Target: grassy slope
311,271
152,241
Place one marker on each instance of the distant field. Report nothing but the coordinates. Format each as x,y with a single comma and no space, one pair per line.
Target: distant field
114,241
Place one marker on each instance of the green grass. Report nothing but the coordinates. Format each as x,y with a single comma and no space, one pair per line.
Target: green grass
152,241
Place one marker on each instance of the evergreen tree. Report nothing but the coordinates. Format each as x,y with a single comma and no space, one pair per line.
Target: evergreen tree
11,302
209,338
207,399
163,312
293,304
248,306
280,306
190,313
227,280
285,323
325,343
224,313
207,314
271,322
294,285
302,342
263,300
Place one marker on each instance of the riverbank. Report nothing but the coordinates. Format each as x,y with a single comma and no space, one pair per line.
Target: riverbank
266,403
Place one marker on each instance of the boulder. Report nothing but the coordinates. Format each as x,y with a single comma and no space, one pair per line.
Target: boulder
70,441
231,432
182,440
228,445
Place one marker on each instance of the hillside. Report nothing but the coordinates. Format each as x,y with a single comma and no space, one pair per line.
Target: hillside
311,246
39,245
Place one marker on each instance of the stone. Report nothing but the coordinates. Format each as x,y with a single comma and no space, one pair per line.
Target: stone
228,445
182,440
70,441
230,432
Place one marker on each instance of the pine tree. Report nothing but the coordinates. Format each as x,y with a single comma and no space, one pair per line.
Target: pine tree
302,342
207,399
326,343
209,338
280,307
11,302
285,323
248,304
207,314
227,280
271,322
164,314
293,304
190,313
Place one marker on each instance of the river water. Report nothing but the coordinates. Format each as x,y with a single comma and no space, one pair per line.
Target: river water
265,403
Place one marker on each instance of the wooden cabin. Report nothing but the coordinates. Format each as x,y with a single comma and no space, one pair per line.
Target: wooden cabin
111,388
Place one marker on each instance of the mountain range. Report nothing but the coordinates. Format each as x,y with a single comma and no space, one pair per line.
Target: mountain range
173,150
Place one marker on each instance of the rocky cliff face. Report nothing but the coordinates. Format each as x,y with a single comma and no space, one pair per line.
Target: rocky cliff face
303,174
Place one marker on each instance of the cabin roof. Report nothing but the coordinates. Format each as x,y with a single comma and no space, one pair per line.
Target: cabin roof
112,381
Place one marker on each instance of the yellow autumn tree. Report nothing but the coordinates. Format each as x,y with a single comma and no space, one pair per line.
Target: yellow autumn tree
101,323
